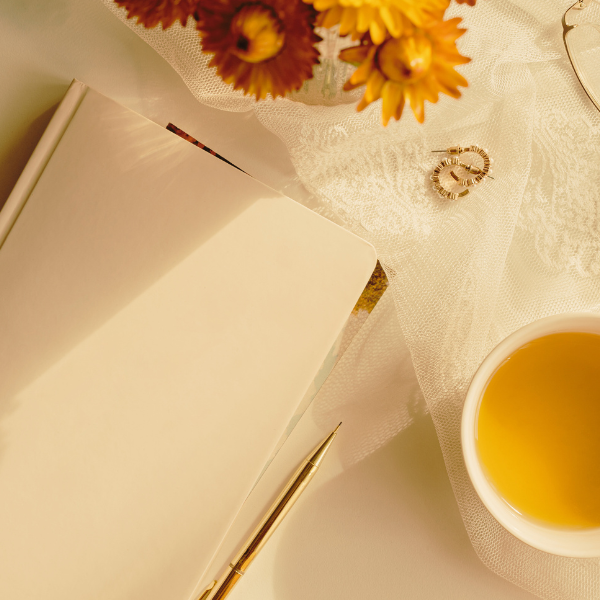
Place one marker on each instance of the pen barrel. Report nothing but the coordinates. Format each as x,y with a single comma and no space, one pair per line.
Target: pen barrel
269,523
223,586
262,532
275,515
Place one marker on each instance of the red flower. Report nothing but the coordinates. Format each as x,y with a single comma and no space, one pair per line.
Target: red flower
265,47
150,13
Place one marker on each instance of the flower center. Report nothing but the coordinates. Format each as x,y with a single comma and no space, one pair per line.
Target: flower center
406,59
257,34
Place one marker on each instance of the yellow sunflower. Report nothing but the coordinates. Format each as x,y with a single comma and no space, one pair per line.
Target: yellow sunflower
414,68
378,17
150,13
264,47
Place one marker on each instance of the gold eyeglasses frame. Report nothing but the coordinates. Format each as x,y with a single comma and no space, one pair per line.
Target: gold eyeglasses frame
567,28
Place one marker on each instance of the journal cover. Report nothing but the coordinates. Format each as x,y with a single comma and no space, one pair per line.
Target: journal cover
161,315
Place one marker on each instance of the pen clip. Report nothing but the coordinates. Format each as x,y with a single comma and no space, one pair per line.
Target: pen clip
208,590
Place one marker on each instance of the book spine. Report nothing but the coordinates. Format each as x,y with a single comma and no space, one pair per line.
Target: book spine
41,155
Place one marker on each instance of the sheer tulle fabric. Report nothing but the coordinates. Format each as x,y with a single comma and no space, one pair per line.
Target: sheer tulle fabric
463,274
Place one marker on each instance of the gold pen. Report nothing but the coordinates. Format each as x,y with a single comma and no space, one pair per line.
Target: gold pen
220,588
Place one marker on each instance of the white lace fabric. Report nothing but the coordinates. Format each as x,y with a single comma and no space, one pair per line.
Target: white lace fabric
464,274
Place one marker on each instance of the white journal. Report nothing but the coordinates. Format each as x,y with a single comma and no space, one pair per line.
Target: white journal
161,316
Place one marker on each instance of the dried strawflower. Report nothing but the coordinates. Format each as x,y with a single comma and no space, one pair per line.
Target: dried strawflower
414,68
379,17
469,2
265,47
150,13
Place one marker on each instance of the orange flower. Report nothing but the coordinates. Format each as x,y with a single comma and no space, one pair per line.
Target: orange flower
264,47
150,13
378,17
414,68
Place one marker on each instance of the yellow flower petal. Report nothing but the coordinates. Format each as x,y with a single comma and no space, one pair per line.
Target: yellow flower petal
431,91
348,20
374,85
400,108
417,103
365,15
361,74
447,89
331,17
392,20
377,30
392,94
354,54
450,77
322,4
362,104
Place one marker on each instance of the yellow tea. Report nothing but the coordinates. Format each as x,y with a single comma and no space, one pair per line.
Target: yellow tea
538,430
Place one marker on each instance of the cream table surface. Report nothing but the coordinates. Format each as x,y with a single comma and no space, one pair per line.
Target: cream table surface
390,525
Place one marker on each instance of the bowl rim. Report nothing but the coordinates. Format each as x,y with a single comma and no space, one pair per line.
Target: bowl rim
584,543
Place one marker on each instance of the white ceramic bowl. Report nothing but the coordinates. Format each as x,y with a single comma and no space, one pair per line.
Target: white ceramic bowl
564,542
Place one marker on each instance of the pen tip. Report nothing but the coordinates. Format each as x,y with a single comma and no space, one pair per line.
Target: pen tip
335,430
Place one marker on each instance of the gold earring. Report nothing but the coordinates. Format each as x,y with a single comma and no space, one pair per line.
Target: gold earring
438,187
480,173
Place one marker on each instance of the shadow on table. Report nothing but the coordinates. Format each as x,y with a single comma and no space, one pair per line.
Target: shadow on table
14,157
17,155
387,527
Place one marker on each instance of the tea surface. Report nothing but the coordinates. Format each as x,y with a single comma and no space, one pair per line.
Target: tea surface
538,430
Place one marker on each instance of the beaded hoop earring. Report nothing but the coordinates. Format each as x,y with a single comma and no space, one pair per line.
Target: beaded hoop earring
438,187
480,173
